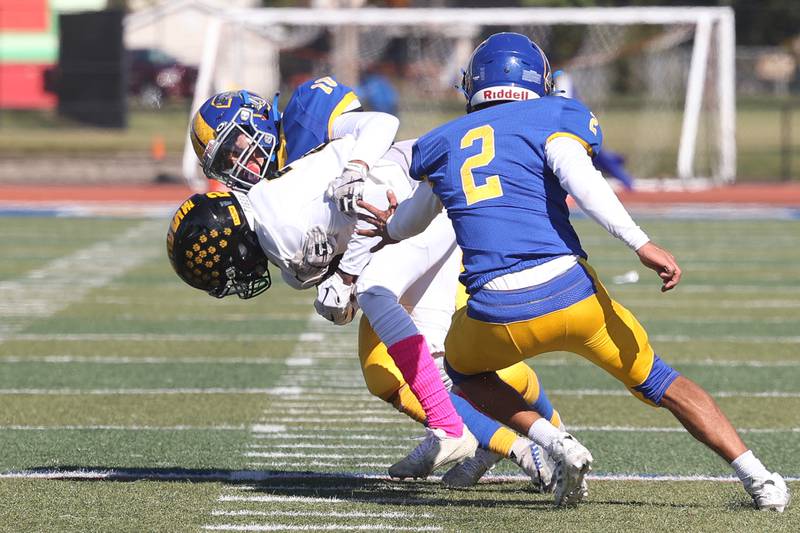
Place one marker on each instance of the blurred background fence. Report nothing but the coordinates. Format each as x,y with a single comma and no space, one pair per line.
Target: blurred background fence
118,110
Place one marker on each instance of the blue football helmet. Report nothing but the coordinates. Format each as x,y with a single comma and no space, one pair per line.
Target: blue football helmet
235,136
506,66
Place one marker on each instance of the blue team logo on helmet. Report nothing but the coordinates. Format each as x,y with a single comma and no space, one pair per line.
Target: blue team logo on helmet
235,135
506,66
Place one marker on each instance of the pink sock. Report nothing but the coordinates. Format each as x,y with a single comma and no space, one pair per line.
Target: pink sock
412,357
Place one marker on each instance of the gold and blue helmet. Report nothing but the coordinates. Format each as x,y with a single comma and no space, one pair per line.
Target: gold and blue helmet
505,67
235,135
212,246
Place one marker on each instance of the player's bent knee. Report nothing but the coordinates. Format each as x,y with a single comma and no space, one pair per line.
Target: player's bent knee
381,375
381,382
658,381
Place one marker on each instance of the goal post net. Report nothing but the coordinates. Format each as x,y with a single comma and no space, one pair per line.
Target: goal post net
660,80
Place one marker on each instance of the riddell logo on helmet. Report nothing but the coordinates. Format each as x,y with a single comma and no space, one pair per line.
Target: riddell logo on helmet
505,94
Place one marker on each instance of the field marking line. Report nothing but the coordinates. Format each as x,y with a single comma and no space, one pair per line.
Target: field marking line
269,498
309,361
148,392
318,527
304,487
716,394
332,514
108,427
679,429
340,419
318,464
155,337
147,360
303,445
66,280
344,437
634,302
263,337
301,455
743,339
297,391
263,476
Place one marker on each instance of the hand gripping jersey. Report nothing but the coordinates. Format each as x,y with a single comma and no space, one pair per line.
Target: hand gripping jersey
286,208
308,118
489,170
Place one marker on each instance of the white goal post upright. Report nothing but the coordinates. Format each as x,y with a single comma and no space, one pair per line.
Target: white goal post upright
710,30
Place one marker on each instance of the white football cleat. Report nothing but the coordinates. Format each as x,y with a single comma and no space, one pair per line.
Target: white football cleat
470,471
573,461
436,449
536,463
769,494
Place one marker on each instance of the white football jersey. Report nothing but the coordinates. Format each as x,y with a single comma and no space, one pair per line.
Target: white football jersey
286,208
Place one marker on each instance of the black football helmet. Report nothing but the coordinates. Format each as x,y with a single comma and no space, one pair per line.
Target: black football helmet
213,248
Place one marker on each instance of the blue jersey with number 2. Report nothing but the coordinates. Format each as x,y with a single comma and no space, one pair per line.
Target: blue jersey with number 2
490,171
308,118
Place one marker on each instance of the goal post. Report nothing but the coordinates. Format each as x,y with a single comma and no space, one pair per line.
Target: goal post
660,79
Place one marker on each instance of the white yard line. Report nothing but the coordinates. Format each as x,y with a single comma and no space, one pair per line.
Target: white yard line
344,437
351,420
341,389
717,394
302,455
264,337
306,446
328,514
152,337
740,339
66,280
315,396
308,361
110,427
269,498
256,476
656,429
318,527
147,392
151,360
320,464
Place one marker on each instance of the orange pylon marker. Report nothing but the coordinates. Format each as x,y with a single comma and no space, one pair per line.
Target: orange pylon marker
158,148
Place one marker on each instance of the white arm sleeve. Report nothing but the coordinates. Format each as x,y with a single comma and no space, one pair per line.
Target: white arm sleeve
576,173
415,214
374,133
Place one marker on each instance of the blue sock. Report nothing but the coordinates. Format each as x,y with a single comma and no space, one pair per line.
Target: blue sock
478,423
542,404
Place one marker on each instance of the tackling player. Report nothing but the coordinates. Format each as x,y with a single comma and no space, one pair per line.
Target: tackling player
503,172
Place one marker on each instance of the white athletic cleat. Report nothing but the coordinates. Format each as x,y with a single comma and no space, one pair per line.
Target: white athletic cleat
536,463
436,449
769,494
468,473
573,461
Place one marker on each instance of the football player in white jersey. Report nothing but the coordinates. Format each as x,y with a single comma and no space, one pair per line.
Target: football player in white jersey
404,291
236,140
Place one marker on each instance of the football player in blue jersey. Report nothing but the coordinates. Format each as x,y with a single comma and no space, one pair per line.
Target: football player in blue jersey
240,139
503,172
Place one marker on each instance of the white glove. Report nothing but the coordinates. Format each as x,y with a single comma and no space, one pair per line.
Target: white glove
318,248
336,301
348,188
311,264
